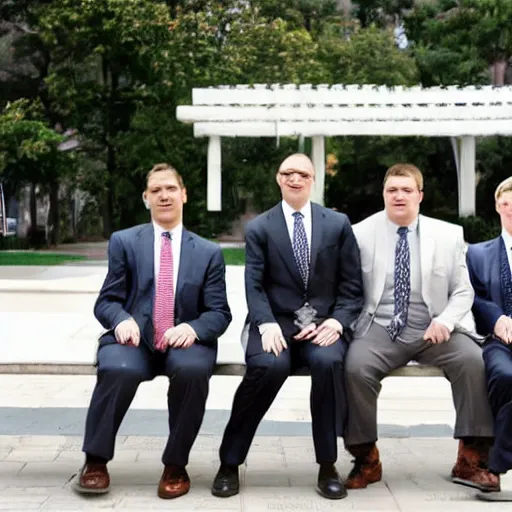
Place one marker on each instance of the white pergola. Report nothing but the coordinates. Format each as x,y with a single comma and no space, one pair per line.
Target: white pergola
326,111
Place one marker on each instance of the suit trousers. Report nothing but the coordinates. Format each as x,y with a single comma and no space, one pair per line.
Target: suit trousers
266,373
373,356
498,367
121,368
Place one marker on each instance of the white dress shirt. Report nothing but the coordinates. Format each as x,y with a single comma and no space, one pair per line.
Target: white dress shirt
288,212
507,238
176,235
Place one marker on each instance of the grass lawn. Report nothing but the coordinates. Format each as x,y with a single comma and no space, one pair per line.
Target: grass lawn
36,258
235,256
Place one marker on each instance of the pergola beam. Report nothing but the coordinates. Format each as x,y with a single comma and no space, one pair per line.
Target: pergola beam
287,110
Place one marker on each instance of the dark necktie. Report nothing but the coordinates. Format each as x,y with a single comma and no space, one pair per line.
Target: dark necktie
402,284
300,247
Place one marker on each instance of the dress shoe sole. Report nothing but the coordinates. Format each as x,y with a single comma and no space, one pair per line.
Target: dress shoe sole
331,496
87,490
495,496
225,494
469,483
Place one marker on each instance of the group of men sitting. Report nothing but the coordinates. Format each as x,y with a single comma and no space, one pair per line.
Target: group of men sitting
350,303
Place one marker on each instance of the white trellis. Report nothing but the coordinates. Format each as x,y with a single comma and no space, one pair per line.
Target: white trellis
326,111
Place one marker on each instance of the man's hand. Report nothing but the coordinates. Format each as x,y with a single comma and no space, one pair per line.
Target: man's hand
181,336
307,333
436,333
127,332
327,332
503,329
273,340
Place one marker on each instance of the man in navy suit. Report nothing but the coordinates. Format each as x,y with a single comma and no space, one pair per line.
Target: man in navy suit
164,304
304,292
489,265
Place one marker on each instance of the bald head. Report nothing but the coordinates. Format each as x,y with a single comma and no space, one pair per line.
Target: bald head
297,162
295,178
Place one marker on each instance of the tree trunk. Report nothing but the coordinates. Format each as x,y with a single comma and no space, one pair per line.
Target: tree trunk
54,216
33,208
498,72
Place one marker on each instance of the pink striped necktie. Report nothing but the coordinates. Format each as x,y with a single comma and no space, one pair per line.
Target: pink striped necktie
163,310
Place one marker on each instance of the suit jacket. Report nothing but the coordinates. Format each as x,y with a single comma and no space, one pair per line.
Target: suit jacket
484,271
273,284
445,284
129,287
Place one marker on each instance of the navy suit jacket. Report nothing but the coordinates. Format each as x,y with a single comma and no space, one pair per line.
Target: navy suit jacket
484,262
273,284
129,287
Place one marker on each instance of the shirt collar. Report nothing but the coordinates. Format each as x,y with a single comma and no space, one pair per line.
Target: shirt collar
175,233
412,227
289,211
507,238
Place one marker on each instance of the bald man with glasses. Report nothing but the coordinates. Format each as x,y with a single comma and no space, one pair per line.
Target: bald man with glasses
304,292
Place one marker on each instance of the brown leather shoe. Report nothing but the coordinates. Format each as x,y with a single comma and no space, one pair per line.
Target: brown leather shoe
174,483
367,467
93,479
470,469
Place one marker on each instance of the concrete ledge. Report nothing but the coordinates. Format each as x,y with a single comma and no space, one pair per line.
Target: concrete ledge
411,370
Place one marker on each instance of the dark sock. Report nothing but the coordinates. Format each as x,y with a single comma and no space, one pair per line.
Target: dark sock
93,459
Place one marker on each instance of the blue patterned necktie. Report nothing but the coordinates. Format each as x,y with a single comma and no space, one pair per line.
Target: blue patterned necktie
506,280
300,247
402,284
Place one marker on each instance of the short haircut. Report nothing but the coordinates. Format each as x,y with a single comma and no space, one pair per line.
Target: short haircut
504,186
165,167
405,170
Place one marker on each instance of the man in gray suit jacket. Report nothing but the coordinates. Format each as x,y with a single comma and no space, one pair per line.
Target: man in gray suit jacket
164,306
418,300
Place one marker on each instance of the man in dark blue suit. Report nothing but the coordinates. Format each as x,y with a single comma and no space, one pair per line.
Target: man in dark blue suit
489,265
304,293
164,304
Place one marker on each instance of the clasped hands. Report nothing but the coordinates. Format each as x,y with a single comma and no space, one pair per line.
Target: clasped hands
325,334
127,332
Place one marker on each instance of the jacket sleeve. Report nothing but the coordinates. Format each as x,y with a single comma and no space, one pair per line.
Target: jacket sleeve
485,311
109,307
350,298
460,290
258,305
214,321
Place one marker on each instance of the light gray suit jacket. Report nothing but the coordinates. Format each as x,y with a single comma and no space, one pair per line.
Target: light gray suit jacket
445,283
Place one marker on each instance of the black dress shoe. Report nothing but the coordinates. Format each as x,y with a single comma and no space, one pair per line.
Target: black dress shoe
329,483
226,482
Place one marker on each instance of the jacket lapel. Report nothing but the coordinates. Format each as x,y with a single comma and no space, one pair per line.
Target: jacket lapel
317,223
427,248
279,233
146,262
380,257
186,261
494,262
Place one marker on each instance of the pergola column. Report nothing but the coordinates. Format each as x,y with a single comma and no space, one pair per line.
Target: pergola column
318,157
467,177
214,178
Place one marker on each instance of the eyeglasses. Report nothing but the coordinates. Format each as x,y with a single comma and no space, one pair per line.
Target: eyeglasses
303,175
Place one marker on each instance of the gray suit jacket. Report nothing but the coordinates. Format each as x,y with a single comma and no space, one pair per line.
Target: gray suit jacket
445,285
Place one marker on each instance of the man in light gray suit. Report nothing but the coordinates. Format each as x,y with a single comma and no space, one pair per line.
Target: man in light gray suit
418,300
